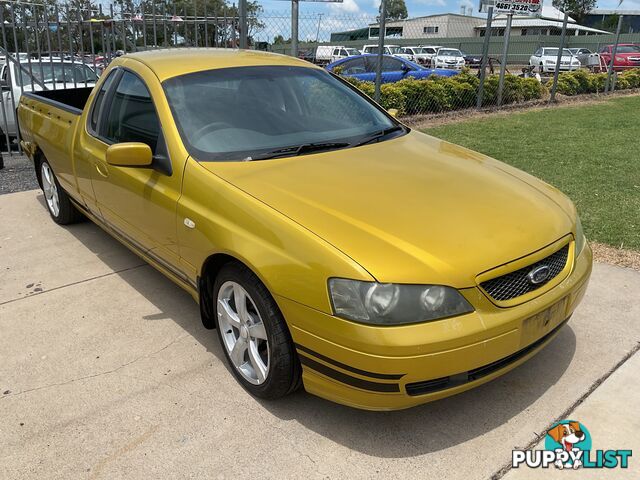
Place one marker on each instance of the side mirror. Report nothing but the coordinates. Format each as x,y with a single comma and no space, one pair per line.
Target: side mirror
393,112
129,154
406,68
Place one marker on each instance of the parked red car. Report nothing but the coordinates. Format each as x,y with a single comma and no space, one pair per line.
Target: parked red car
627,56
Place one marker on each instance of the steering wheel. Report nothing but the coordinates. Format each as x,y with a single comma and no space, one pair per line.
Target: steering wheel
211,127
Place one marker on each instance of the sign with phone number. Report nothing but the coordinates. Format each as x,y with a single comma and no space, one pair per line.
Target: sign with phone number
519,7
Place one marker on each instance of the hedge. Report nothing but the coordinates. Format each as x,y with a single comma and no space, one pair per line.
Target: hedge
580,81
440,94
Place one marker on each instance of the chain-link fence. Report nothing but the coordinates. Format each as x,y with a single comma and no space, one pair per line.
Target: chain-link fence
422,65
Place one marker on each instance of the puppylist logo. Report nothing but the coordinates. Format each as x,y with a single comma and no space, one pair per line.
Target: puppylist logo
568,445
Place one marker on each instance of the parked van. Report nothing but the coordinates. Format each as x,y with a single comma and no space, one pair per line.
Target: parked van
326,54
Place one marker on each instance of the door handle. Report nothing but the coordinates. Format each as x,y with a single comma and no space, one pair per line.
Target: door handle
102,169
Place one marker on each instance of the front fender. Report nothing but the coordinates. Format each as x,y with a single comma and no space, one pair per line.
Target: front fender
290,260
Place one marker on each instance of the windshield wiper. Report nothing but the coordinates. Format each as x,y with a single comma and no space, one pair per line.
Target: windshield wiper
377,136
296,150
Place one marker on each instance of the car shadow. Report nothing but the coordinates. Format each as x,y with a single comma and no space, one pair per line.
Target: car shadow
428,428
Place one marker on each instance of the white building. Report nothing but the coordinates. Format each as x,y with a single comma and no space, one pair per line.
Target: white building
447,25
548,23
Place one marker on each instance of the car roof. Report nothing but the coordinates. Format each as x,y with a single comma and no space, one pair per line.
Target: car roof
168,63
372,55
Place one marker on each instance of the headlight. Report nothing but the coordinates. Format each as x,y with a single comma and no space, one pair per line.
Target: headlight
393,304
580,238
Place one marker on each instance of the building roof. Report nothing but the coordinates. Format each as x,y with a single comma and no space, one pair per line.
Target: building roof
532,22
168,63
425,17
604,11
548,13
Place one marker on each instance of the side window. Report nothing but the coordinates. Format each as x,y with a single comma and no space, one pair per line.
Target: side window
538,52
390,64
97,103
355,66
336,51
132,116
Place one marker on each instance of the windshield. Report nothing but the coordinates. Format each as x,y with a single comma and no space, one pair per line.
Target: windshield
628,49
394,50
59,73
554,52
352,51
246,113
447,52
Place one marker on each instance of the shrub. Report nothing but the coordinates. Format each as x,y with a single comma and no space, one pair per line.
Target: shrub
632,77
532,89
440,94
392,96
567,84
597,82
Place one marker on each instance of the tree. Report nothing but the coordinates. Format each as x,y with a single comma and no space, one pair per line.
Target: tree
578,9
396,10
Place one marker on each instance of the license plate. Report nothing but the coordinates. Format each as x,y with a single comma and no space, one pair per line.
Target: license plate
542,323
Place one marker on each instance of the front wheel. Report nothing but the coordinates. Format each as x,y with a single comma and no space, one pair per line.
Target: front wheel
58,202
253,334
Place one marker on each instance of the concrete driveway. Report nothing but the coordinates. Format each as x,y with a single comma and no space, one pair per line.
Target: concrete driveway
107,372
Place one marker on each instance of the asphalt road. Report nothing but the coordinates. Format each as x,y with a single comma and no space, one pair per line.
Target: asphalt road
106,372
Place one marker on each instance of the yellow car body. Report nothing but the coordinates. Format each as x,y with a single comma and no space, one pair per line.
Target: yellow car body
409,210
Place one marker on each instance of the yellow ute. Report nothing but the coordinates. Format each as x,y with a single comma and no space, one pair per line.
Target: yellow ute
330,245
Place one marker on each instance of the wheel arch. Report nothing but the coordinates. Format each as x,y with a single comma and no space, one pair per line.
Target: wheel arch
38,157
208,273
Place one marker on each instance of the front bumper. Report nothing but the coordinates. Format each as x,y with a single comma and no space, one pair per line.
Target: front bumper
563,68
390,368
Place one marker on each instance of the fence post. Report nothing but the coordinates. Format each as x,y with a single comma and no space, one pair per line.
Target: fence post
382,30
614,51
242,13
485,56
294,27
556,73
505,51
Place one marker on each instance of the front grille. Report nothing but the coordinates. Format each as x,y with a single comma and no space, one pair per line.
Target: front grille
517,283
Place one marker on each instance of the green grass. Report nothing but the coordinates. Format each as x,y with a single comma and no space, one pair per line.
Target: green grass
591,153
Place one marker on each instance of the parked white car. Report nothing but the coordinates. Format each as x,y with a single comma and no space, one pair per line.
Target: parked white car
53,73
394,50
420,54
448,58
326,54
545,59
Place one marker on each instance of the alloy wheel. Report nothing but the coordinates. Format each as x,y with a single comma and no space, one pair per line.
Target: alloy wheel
243,332
50,189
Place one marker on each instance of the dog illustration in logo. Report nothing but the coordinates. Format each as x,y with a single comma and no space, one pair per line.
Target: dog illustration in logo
567,435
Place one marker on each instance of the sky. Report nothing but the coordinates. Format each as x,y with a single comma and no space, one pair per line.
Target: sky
415,7
319,19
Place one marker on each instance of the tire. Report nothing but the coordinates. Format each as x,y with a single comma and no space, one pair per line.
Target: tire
275,351
59,205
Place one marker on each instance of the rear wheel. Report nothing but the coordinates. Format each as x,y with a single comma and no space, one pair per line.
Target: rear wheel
253,334
58,202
